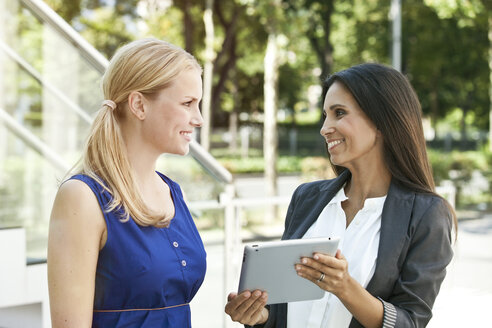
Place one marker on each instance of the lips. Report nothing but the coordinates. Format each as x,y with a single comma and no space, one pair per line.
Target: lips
186,134
333,143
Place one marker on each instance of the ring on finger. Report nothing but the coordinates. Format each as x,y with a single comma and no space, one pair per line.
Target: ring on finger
320,279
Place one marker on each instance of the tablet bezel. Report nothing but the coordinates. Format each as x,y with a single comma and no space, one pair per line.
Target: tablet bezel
269,266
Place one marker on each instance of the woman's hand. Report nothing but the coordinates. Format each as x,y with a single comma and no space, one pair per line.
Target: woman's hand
248,307
328,272
331,274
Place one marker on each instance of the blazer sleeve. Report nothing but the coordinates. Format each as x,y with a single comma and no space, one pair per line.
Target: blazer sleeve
423,269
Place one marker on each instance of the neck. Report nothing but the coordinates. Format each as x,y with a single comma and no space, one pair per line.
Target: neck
369,181
142,159
143,168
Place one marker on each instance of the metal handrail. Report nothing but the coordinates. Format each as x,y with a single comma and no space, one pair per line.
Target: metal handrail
100,63
33,141
38,77
48,15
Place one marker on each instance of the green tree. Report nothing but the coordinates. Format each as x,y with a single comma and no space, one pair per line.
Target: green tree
449,75
105,26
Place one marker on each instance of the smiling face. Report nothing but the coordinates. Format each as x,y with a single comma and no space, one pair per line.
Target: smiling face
173,114
352,139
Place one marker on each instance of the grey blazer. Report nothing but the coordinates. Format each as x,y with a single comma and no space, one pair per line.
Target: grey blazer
414,250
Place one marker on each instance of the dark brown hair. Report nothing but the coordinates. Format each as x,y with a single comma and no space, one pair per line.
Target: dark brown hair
387,98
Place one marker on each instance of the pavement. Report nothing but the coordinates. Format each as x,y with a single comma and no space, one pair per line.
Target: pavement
464,300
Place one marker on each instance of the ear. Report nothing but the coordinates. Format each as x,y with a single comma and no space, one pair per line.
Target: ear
379,136
136,103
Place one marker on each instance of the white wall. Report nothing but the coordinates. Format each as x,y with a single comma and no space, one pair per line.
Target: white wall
23,288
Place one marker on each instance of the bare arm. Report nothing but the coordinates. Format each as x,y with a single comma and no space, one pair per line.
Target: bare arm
76,234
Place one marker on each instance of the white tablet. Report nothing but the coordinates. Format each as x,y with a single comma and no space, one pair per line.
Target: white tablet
269,266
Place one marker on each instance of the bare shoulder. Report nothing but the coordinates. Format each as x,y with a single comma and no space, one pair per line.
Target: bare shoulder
75,189
76,203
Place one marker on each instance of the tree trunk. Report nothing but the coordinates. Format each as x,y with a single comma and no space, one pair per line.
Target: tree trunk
270,123
226,58
188,25
207,75
234,116
434,107
463,130
322,45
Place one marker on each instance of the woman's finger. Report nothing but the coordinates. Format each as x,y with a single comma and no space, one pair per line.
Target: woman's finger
339,255
258,315
235,301
254,309
245,306
231,296
309,273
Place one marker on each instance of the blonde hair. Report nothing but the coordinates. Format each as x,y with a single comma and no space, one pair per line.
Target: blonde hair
147,66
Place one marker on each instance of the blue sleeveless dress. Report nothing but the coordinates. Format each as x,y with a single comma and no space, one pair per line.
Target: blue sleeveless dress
147,276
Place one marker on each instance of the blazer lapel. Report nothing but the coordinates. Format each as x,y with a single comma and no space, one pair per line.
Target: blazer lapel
314,203
395,220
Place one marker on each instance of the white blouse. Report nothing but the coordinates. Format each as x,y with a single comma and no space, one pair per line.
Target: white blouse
359,243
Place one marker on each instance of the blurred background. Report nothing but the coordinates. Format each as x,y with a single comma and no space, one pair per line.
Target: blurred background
263,62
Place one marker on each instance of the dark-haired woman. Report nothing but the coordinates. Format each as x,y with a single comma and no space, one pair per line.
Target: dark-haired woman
395,230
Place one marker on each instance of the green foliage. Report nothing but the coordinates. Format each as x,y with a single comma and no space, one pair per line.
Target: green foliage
453,122
11,192
445,52
315,168
468,12
307,117
238,165
441,164
105,30
459,167
445,45
162,24
446,59
461,163
361,32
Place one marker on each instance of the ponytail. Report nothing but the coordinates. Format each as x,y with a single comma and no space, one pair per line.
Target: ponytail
147,66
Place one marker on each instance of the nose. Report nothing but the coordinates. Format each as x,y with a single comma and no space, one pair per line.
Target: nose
327,128
197,119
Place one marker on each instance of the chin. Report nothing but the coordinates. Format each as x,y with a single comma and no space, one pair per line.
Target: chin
179,152
183,152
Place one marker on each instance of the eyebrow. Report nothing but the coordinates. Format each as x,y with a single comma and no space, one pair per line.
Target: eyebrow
332,107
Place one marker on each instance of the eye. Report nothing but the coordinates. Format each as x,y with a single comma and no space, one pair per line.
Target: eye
188,103
339,112
323,113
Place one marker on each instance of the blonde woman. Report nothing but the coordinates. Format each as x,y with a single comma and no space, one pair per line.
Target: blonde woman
123,249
